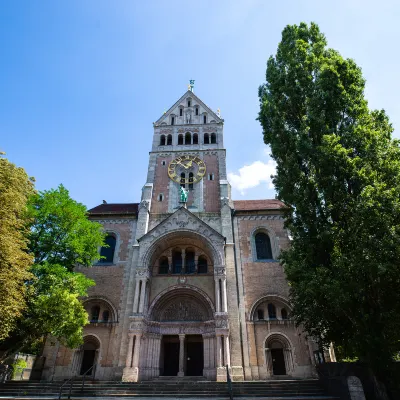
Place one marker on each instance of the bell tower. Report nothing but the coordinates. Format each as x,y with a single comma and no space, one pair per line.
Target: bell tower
188,152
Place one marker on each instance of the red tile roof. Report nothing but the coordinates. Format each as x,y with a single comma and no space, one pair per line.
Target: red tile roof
115,208
256,205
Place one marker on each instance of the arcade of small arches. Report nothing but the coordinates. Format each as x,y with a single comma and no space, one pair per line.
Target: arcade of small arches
183,260
188,139
270,308
100,310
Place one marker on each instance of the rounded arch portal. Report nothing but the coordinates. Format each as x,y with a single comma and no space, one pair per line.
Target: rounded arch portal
181,303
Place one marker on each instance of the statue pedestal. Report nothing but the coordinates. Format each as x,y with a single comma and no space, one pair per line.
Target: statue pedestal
183,204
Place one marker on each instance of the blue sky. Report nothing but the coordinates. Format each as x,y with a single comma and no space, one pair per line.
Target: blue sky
82,81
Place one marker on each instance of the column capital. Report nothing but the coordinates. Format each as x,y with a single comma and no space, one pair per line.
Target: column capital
182,336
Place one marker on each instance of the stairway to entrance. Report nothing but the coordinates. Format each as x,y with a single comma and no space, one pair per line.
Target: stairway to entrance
168,388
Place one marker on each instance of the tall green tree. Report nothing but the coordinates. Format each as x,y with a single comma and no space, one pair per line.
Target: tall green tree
61,237
338,170
15,189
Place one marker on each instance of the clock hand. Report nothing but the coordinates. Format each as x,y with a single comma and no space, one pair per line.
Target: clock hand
183,165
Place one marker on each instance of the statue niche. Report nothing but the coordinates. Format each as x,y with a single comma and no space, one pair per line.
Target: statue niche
180,310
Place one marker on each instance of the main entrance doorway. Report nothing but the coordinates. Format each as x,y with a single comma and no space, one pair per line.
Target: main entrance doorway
170,355
194,355
193,362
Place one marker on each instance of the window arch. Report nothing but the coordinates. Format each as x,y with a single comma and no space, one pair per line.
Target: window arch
172,119
195,138
204,119
176,262
106,316
190,180
263,246
284,313
202,265
183,180
180,111
190,267
188,138
271,311
213,138
189,102
169,140
163,266
108,252
180,139
206,138
162,140
197,110
160,197
94,314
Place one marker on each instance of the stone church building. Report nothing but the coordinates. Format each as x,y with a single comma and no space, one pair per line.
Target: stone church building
187,288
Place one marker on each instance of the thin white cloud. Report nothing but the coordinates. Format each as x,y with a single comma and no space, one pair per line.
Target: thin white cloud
252,175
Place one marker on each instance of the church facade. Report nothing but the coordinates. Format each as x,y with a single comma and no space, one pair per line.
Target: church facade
190,282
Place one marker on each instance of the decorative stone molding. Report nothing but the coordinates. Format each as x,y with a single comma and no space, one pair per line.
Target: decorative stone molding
220,271
144,204
191,129
259,217
128,220
183,311
143,272
165,131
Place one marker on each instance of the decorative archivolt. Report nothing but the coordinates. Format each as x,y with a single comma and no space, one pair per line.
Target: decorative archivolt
181,303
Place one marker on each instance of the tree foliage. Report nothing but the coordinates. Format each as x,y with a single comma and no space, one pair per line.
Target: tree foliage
338,170
15,189
60,238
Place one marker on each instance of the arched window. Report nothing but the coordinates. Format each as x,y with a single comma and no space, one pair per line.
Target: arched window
202,265
176,262
183,180
189,102
169,140
163,266
106,316
160,197
284,313
263,246
197,110
172,120
195,138
180,139
213,138
190,267
188,138
94,314
204,119
162,140
271,311
108,252
180,111
260,314
190,180
206,138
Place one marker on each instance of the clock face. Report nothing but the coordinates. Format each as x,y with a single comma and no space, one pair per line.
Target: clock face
186,165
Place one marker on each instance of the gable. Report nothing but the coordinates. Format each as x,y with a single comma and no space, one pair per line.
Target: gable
180,117
182,219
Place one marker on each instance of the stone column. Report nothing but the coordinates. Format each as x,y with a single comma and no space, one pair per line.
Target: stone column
206,351
129,356
136,299
183,261
135,362
181,354
224,302
142,296
212,351
217,296
227,351
268,361
219,351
